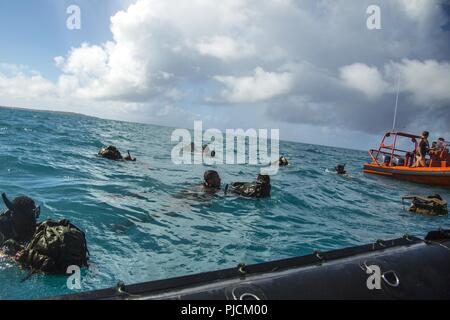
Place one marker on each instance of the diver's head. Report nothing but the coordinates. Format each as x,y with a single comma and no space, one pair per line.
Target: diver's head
23,215
425,134
263,179
283,161
212,179
340,169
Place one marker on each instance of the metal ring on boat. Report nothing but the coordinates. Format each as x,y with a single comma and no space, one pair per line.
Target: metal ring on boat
391,282
407,237
318,255
242,268
245,291
248,295
381,243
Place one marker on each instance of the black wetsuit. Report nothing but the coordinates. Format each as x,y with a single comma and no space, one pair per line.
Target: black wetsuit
7,230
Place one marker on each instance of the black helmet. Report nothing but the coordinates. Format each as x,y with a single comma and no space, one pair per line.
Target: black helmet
283,161
24,214
264,179
212,179
340,168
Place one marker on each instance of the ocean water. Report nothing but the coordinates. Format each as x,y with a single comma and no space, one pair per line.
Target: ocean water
141,225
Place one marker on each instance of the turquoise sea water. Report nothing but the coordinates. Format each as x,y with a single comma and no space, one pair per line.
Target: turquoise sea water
140,227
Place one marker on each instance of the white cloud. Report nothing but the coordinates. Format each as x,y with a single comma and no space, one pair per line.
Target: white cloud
366,79
24,83
294,57
224,48
420,9
260,86
428,82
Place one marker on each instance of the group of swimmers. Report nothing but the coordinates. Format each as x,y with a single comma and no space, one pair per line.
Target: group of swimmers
42,247
260,188
436,152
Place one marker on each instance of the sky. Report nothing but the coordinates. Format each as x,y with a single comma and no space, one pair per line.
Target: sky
312,68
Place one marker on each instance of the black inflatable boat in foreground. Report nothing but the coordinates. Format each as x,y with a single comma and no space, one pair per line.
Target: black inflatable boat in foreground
410,268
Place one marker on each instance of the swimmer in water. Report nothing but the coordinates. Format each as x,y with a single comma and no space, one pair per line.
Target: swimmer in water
211,186
212,181
17,223
283,161
205,150
112,153
340,169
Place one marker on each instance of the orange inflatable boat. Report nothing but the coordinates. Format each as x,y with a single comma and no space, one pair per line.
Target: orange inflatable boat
395,159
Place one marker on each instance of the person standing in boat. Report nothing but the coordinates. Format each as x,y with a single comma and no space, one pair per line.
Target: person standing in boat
441,145
422,149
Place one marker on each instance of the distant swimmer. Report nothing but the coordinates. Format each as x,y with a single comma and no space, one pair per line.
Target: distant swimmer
18,222
261,188
210,187
205,150
211,181
283,161
112,153
340,169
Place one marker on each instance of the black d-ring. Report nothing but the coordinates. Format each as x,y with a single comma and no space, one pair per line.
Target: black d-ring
248,296
381,243
245,291
391,278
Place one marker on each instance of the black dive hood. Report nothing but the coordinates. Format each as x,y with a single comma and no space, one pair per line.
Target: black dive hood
12,207
7,202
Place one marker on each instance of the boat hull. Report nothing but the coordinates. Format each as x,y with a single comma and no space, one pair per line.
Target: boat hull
410,268
437,176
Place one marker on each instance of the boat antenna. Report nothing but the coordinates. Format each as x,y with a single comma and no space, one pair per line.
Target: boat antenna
396,104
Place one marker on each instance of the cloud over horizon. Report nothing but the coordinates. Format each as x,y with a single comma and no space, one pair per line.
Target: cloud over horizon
284,61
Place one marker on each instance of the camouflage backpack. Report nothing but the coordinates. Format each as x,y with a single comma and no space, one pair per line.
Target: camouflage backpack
54,247
258,189
111,153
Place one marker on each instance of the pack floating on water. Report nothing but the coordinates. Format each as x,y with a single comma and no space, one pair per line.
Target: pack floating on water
390,161
409,268
431,205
